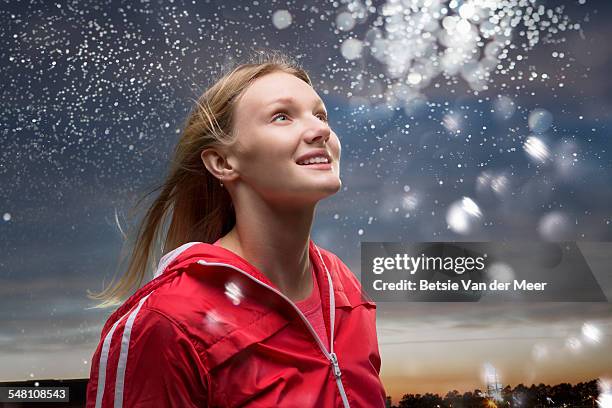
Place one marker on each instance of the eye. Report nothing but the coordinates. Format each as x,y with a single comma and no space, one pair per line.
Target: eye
279,115
323,116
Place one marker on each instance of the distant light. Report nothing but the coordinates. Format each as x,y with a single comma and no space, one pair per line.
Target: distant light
410,202
414,78
6,217
464,26
540,120
504,107
351,48
555,226
573,344
500,271
591,333
605,390
500,184
407,37
467,11
281,19
449,22
451,122
462,215
471,207
345,21
536,149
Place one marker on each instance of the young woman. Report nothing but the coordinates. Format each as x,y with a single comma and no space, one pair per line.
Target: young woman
245,310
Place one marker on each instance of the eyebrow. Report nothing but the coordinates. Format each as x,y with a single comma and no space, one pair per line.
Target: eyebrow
289,99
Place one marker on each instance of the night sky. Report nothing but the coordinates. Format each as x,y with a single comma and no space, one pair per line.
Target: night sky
456,123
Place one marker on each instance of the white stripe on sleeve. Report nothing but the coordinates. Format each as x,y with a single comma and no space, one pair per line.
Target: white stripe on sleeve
123,355
103,362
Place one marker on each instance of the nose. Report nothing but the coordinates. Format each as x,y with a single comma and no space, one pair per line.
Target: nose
318,131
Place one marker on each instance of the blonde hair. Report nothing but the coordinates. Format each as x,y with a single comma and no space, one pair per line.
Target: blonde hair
192,205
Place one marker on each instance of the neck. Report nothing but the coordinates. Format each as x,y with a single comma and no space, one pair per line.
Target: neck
276,241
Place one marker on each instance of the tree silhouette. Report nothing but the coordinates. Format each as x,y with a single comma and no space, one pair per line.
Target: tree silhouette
581,395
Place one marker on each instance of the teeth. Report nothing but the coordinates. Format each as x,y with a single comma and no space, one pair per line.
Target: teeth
315,160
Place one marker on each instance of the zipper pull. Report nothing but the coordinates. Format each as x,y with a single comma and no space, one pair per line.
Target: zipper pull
335,366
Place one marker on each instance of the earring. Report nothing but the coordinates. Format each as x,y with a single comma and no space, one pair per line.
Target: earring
221,184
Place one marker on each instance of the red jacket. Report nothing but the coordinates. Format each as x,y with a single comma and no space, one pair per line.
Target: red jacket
212,330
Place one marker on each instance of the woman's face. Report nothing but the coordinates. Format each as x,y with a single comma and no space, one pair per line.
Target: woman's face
278,121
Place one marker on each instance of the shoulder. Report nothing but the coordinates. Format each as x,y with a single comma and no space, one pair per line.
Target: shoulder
183,302
157,328
149,320
198,303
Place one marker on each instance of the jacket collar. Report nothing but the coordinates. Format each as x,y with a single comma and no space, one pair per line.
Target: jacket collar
191,252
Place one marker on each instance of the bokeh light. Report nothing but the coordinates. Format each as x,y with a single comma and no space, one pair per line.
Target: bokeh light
591,333
233,292
536,149
463,216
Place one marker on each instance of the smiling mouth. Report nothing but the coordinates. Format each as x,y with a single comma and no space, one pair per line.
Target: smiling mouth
317,166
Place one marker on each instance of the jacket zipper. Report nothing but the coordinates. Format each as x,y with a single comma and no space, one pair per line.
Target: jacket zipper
330,355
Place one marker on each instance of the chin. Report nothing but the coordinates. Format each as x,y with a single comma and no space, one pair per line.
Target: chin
331,188
337,186
313,194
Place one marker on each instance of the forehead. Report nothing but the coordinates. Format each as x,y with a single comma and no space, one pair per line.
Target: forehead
277,86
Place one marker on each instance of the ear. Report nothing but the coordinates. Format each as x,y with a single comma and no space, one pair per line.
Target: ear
216,162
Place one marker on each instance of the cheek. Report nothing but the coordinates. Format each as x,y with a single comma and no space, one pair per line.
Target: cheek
253,146
272,152
263,156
